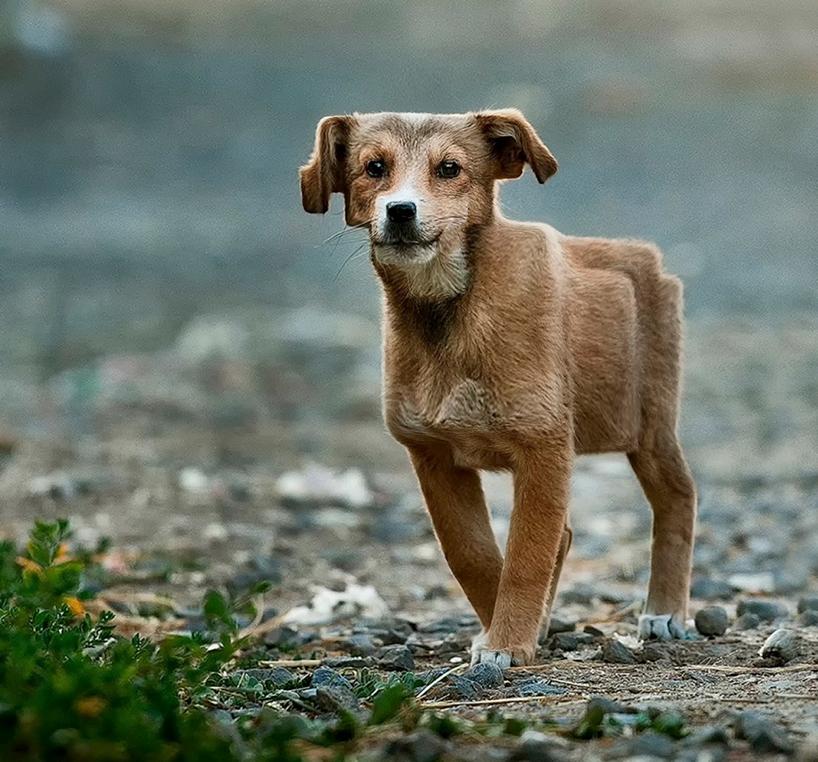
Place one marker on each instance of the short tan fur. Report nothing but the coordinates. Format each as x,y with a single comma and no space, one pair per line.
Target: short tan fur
508,345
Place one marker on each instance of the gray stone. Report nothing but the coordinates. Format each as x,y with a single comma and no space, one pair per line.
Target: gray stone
557,625
808,603
646,745
333,692
766,611
569,641
395,658
461,687
709,589
335,700
420,746
536,750
324,676
710,734
712,621
486,675
764,734
536,687
746,622
614,652
360,644
808,618
782,646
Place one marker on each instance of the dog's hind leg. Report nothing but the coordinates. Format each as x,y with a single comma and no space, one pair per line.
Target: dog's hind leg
669,487
661,468
455,501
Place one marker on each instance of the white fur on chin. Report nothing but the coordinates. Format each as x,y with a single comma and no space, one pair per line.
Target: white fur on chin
431,271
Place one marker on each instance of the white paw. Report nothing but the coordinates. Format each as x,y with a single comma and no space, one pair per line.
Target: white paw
501,658
478,645
481,653
660,627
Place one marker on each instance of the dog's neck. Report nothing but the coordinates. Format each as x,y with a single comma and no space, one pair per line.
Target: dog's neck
423,298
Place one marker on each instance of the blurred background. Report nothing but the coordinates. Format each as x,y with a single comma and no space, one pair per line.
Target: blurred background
179,339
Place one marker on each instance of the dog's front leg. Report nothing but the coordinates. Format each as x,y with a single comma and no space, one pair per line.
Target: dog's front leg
541,488
454,498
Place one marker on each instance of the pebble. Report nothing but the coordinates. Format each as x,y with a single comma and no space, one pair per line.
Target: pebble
645,746
808,618
782,646
535,749
420,746
712,621
746,622
486,675
766,611
709,589
808,603
585,593
557,625
614,652
569,641
333,692
461,687
710,734
763,734
395,658
536,687
324,676
281,677
360,644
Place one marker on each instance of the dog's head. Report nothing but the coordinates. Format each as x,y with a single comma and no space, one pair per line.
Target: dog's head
419,182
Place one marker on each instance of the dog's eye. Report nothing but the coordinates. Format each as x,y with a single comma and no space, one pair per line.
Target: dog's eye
376,168
448,169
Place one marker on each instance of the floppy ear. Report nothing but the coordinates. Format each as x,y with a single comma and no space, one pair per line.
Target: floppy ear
324,173
514,142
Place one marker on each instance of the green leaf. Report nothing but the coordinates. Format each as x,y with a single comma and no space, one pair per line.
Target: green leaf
388,703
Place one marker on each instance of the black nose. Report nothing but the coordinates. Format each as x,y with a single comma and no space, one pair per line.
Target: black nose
401,211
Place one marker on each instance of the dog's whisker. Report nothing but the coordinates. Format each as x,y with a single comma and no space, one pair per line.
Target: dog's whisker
352,256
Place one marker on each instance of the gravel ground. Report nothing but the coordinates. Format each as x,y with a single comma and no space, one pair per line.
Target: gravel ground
360,588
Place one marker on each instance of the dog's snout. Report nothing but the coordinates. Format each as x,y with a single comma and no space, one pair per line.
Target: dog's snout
401,211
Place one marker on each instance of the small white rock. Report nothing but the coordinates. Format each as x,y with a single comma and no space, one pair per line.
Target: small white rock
782,645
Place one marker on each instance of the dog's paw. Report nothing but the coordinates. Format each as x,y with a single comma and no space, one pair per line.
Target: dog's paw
503,659
482,653
661,627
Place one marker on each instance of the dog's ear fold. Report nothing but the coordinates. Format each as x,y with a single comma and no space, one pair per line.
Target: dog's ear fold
514,142
324,173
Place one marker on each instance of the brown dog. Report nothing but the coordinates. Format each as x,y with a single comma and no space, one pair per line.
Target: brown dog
511,346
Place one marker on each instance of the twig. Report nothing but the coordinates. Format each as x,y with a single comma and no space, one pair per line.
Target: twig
292,663
490,702
441,678
263,628
253,626
738,670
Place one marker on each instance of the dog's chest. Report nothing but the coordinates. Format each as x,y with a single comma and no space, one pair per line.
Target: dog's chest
467,415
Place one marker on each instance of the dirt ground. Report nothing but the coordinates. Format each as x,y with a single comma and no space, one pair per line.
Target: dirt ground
189,506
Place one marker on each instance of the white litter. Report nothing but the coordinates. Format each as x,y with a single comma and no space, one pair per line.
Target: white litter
318,484
329,606
753,582
194,481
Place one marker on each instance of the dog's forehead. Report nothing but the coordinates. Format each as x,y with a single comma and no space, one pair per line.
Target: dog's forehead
411,128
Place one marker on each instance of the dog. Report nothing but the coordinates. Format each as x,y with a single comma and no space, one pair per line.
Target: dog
508,345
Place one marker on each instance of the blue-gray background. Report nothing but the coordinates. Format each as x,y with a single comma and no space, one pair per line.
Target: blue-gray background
149,208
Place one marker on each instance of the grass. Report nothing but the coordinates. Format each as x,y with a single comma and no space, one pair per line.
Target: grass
71,688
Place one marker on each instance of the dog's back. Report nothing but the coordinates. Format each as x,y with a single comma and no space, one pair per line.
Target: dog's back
627,341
